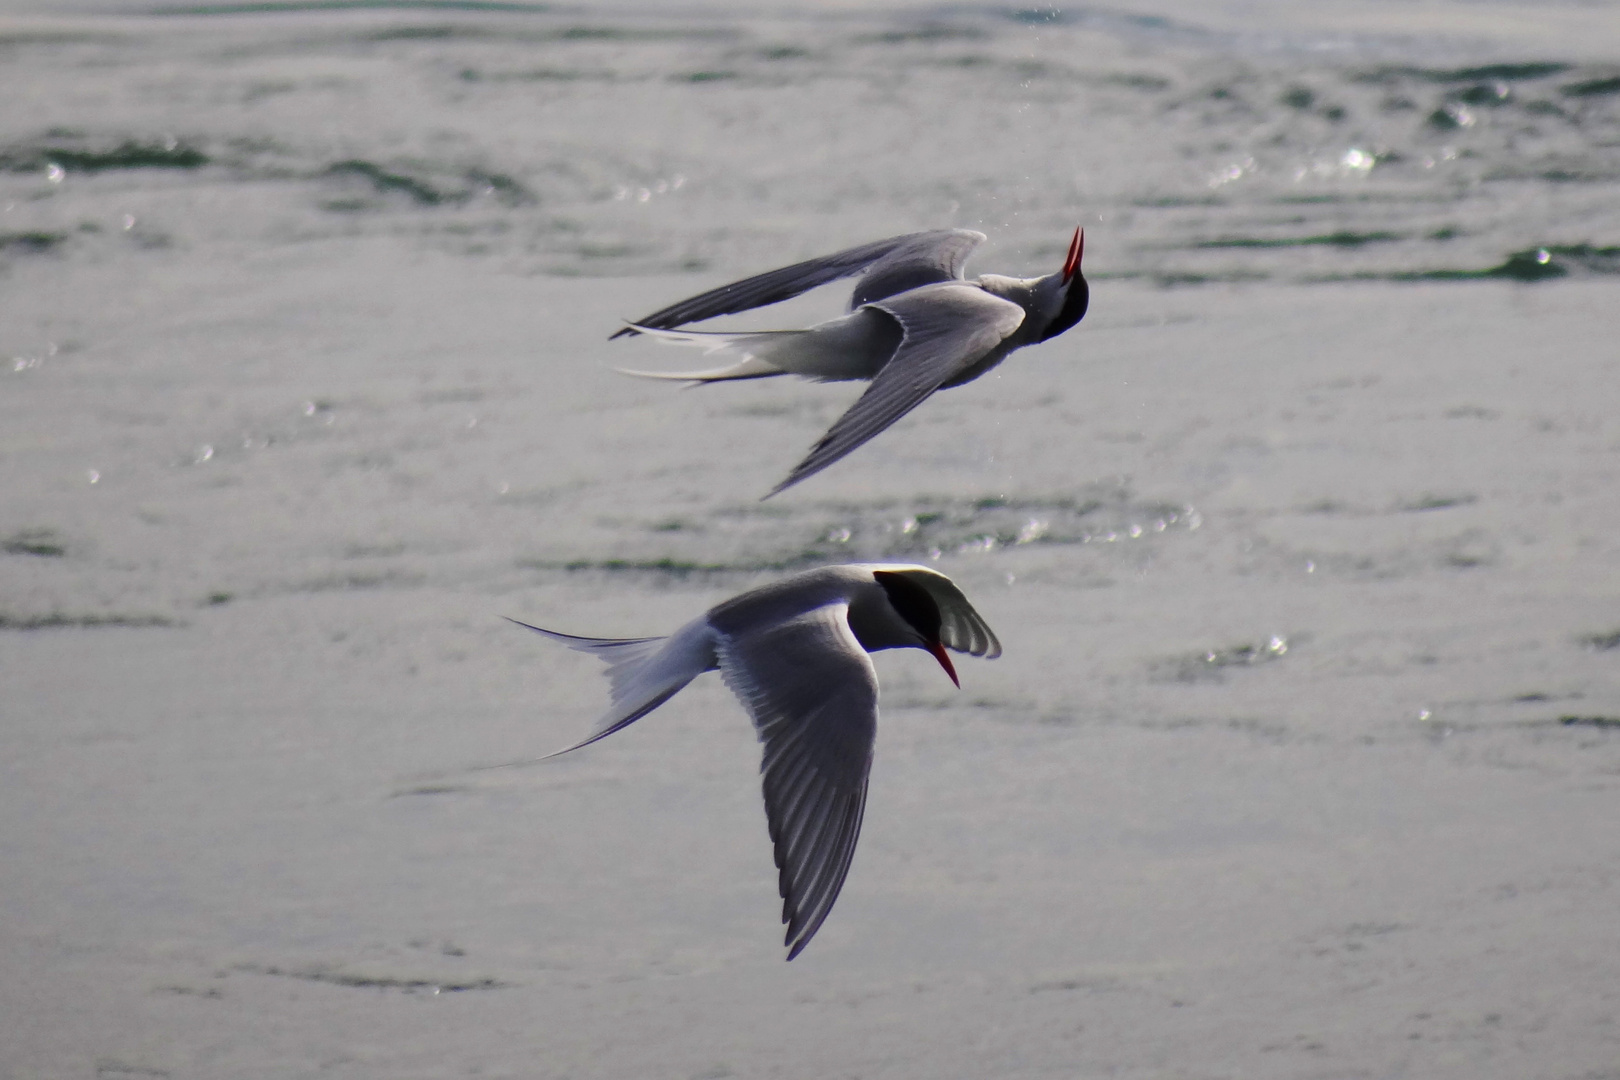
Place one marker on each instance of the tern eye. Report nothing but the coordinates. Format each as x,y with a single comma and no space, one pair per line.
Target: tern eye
913,602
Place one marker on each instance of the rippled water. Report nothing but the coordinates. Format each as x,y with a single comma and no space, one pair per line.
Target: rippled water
567,142
1302,546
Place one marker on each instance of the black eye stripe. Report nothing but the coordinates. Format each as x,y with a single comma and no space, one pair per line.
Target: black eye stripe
914,603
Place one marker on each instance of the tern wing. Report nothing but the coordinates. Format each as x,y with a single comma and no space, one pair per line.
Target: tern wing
947,329
922,259
812,692
917,258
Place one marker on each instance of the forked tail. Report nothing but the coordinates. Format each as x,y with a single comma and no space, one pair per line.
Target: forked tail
751,347
644,672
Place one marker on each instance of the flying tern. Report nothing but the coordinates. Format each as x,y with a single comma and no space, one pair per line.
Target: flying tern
915,325
795,653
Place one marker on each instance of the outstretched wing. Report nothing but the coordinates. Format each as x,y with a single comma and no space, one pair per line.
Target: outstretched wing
915,258
812,692
948,328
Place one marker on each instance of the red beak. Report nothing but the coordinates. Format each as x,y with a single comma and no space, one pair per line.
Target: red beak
1077,247
938,649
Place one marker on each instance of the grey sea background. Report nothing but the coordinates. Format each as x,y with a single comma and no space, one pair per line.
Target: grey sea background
1303,757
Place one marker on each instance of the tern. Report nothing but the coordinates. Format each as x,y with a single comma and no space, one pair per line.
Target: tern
915,325
795,653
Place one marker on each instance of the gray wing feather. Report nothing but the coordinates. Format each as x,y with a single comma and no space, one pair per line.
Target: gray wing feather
920,258
812,692
948,328
923,259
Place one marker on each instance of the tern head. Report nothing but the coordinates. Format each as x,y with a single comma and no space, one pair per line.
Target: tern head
920,612
1076,293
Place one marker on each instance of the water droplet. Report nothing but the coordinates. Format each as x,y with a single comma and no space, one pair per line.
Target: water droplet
54,172
908,526
1136,532
1310,567
93,476
839,535
502,488
204,453
643,195
129,222
1033,530
309,408
1424,714
1277,646
1543,256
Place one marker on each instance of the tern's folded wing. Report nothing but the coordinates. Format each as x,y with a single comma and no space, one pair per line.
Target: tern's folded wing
947,328
812,693
917,258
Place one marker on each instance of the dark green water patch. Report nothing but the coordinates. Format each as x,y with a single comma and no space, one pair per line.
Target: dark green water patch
539,75
30,243
1532,265
1489,94
388,182
1137,81
1176,202
453,189
637,33
1593,87
1044,16
39,542
1298,97
1506,72
703,76
446,32
1602,642
75,156
1437,502
926,34
1337,239
58,620
375,982
1604,723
